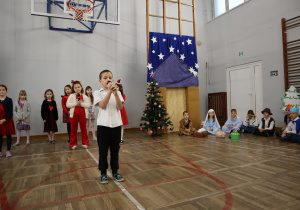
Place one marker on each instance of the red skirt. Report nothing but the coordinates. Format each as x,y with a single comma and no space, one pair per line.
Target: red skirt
124,116
7,128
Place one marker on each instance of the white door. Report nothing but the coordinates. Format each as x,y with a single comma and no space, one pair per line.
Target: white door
244,89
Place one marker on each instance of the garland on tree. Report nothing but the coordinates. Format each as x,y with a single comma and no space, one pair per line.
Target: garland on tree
291,99
155,116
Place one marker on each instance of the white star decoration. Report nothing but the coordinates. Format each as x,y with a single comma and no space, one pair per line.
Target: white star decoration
189,41
149,66
182,57
192,53
196,65
171,49
175,38
161,56
178,51
164,40
153,51
182,43
192,70
153,39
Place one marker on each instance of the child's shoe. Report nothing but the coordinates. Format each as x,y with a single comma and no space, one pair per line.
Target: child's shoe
53,142
122,141
49,142
16,144
8,154
118,177
74,147
85,146
103,179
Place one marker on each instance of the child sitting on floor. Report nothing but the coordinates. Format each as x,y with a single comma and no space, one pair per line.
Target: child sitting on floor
287,119
250,123
211,123
186,125
233,123
267,124
291,133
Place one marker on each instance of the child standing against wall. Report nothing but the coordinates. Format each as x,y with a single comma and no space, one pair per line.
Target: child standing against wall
66,110
49,115
7,127
123,111
109,123
91,116
22,111
78,104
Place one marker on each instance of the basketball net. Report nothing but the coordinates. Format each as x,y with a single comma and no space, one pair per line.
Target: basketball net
81,9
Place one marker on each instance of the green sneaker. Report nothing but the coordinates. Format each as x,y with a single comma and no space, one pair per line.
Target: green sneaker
103,179
118,177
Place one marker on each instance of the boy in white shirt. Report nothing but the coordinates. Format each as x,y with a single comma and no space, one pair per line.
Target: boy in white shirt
291,133
267,124
109,123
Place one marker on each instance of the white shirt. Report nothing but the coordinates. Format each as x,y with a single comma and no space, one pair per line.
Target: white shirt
250,123
291,127
110,116
266,124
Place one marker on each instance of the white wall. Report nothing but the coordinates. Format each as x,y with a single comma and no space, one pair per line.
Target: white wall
35,59
255,29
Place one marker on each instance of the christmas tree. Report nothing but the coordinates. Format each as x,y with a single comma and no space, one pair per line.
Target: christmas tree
291,97
155,116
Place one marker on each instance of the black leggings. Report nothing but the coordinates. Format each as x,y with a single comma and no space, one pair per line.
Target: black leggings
9,140
69,129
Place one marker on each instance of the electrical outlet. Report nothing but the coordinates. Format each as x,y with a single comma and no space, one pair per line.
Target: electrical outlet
274,73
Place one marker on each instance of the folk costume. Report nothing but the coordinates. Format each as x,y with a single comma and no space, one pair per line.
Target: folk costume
267,124
235,122
293,129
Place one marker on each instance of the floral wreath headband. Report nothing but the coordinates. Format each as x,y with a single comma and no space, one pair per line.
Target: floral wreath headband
75,82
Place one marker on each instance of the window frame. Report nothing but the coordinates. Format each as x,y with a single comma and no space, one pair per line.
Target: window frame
226,7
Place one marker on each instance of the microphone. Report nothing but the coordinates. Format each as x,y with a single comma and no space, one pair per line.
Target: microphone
110,82
78,96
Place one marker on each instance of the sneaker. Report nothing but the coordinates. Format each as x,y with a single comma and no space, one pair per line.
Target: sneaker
241,131
1,154
16,144
122,141
118,177
49,142
85,146
53,142
74,147
8,154
103,179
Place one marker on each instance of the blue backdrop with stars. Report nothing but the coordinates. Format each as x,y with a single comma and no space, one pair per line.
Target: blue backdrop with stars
161,46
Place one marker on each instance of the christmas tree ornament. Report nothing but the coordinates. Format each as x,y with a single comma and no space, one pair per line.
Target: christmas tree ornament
156,83
151,132
145,115
163,127
155,103
158,128
148,123
171,129
164,109
147,102
159,106
152,95
159,115
141,129
154,88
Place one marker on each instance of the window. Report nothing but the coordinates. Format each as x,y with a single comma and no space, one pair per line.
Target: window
222,6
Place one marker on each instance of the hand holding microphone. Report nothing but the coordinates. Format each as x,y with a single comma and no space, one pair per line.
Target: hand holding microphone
78,100
111,87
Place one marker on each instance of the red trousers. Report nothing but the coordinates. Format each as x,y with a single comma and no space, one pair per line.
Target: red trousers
79,116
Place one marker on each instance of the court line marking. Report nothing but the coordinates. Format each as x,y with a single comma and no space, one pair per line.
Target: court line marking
128,195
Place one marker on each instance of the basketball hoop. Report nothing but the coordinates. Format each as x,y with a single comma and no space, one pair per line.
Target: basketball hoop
79,10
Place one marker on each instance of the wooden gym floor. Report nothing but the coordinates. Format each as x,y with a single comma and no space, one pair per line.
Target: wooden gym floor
170,172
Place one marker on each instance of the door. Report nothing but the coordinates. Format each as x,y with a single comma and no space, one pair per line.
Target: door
244,88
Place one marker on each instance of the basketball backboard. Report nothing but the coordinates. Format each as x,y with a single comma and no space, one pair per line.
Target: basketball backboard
61,17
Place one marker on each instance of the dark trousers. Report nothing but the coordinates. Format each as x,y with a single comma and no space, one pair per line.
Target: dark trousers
265,133
248,129
108,138
9,140
291,137
279,133
69,129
